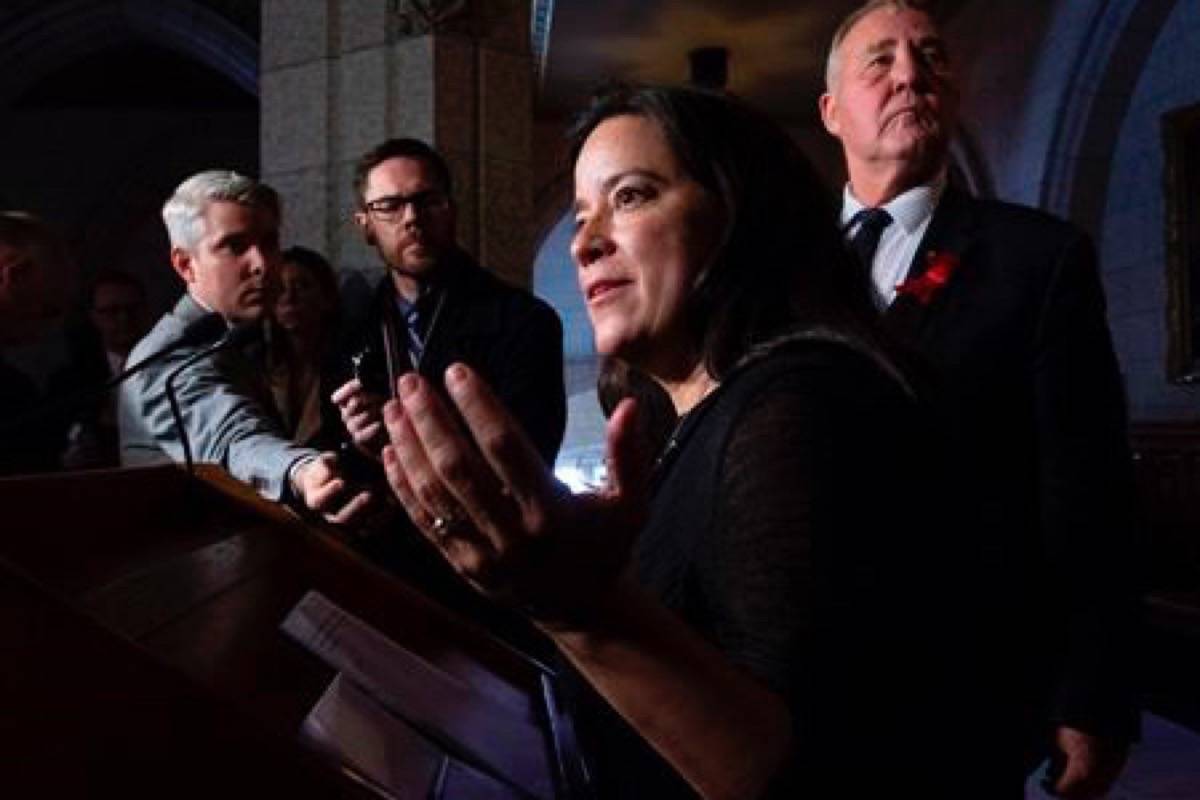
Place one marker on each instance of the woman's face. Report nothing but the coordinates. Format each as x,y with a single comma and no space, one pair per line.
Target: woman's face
644,230
301,306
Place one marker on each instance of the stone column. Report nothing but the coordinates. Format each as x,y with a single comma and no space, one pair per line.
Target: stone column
340,76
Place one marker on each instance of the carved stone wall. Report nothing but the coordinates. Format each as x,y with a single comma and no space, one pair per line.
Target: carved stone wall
340,76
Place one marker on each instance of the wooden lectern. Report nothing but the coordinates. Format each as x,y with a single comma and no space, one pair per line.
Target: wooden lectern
143,655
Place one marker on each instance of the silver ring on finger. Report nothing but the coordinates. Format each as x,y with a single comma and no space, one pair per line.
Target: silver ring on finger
444,527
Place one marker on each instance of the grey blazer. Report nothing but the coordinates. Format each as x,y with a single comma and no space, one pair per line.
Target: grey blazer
225,404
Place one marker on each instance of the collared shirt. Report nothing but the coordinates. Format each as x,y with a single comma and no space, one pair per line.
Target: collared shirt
911,213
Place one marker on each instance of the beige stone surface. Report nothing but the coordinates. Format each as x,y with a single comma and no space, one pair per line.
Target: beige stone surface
361,24
294,117
293,32
411,88
360,121
303,192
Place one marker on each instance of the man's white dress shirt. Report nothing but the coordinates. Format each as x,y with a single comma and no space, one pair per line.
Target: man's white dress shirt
911,213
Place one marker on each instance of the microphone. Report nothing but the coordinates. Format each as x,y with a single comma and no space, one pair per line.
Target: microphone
198,332
234,337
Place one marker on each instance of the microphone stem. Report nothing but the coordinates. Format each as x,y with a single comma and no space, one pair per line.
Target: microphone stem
233,337
177,416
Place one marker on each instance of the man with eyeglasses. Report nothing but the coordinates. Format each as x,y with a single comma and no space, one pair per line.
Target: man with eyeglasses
436,306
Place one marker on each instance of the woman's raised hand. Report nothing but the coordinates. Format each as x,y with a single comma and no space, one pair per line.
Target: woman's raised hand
482,495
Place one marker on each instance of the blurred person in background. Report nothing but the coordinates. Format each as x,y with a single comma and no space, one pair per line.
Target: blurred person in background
116,319
36,278
305,337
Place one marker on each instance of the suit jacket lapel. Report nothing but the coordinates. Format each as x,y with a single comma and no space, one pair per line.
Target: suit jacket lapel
951,231
447,328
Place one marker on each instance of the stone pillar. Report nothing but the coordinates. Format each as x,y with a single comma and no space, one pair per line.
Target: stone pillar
340,76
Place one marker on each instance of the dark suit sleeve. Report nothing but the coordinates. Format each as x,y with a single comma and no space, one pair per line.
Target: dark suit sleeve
1086,490
529,377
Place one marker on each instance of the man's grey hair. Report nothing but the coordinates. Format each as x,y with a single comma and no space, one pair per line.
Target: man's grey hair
833,62
183,211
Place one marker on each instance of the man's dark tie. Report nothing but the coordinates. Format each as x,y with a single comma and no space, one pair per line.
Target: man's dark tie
414,326
418,318
871,222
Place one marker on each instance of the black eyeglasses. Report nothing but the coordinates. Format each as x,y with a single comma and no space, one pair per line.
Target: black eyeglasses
392,206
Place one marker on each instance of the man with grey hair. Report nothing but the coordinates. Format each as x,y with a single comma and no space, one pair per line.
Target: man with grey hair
224,232
1005,306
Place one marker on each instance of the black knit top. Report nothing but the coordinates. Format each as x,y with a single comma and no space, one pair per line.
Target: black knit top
788,528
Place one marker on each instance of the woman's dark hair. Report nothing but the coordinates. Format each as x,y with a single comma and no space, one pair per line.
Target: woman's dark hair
656,414
322,271
781,263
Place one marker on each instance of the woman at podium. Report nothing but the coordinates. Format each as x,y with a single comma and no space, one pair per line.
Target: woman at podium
741,611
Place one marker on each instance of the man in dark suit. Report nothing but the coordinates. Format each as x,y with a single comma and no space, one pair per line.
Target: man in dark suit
436,306
1005,307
